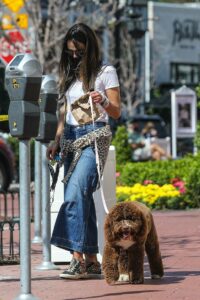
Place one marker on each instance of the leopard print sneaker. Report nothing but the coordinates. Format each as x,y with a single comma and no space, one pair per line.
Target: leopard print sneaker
93,270
76,270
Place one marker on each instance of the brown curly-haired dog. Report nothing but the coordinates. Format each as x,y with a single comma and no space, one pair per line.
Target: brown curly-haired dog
129,232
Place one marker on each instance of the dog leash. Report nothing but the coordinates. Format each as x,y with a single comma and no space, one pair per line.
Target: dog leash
97,160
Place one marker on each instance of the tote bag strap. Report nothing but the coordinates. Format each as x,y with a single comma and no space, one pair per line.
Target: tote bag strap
98,161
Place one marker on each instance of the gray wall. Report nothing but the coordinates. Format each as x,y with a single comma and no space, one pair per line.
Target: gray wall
175,37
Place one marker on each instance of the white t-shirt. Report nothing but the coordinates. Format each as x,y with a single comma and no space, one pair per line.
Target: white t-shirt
106,79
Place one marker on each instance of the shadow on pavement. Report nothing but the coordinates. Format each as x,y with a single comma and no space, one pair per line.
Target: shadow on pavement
113,294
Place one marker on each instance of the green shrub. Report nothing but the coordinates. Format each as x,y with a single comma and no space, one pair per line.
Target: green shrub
171,203
197,137
159,172
122,147
193,186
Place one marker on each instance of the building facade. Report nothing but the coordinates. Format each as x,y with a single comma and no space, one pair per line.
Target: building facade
174,31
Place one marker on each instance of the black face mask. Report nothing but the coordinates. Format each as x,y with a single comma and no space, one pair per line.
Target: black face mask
75,63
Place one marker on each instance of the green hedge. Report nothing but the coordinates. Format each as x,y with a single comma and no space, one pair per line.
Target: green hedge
160,172
122,147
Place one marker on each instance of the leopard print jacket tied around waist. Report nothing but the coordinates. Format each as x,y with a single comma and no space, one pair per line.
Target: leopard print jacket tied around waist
103,137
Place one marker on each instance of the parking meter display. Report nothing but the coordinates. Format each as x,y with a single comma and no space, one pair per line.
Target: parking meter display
17,60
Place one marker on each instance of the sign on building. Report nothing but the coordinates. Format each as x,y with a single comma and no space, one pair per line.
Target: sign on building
184,115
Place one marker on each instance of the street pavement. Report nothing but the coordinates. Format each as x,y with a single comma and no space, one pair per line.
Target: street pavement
179,235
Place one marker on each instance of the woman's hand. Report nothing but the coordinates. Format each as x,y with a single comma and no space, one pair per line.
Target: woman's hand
96,97
52,150
110,101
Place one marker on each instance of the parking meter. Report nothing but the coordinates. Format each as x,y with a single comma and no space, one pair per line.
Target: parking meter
23,78
48,104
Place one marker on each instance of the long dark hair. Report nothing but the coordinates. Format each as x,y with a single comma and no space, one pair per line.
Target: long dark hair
90,63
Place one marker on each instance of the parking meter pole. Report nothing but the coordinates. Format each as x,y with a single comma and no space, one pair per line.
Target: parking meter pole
46,224
37,199
25,253
23,79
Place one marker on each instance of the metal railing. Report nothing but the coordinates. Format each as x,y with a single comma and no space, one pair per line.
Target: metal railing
10,225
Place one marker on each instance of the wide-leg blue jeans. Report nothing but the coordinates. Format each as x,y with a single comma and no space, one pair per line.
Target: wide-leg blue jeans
76,225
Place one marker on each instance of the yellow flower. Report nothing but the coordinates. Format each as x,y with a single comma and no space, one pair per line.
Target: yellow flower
147,193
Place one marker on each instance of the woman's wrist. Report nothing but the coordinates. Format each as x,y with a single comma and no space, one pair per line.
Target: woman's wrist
105,101
56,142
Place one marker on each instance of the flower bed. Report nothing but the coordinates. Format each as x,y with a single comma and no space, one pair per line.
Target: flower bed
162,184
152,195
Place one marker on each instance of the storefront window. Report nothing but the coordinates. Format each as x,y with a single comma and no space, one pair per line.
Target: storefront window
185,73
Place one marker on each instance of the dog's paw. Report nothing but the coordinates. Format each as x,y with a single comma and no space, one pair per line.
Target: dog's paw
110,281
137,281
136,278
155,276
123,278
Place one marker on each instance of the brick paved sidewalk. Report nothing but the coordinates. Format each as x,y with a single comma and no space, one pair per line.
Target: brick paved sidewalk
179,234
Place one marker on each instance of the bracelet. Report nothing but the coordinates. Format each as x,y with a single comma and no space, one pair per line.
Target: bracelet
105,102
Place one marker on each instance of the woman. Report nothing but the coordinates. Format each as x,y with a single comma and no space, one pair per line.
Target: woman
142,146
82,73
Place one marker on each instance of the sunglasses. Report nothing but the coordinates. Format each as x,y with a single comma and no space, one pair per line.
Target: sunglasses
78,53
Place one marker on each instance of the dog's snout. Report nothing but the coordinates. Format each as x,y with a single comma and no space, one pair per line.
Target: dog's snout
126,230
